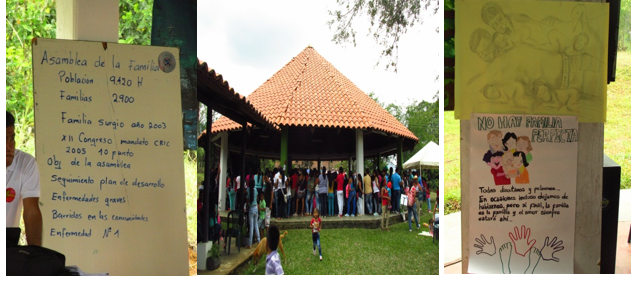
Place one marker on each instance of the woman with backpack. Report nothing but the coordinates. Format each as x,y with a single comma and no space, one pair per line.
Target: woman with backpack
323,183
311,187
360,202
300,194
253,213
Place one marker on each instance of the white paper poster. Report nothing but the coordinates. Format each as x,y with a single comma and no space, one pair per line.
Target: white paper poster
523,174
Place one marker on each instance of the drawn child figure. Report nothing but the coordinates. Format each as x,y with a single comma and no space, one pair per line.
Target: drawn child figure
509,142
524,145
520,163
507,166
510,93
273,260
495,162
316,225
556,99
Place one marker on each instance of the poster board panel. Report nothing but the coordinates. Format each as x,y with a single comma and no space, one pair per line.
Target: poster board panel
522,193
109,149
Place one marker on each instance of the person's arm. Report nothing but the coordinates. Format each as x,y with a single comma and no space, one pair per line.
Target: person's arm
32,221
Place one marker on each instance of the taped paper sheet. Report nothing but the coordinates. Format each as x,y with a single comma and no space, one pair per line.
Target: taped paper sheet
531,57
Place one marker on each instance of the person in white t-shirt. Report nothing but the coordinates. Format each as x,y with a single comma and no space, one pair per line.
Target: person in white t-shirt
23,188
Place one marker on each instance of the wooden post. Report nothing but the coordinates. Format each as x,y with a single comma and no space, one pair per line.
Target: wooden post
87,20
399,154
284,147
223,169
360,156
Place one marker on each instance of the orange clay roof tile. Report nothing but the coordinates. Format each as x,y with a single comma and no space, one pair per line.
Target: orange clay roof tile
310,91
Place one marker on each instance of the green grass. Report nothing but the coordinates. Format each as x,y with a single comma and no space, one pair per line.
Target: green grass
617,127
452,163
616,135
358,252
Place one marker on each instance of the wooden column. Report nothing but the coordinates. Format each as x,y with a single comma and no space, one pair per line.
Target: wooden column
284,147
223,170
360,158
399,154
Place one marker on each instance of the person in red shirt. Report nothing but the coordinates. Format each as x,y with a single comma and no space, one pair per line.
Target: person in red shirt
295,180
340,179
316,225
384,195
499,176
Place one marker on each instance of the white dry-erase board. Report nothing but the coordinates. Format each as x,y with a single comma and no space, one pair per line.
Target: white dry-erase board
109,148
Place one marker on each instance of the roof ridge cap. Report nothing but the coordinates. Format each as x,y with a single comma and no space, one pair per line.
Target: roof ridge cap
297,78
327,64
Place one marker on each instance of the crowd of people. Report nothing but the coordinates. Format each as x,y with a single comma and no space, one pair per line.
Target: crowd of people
325,193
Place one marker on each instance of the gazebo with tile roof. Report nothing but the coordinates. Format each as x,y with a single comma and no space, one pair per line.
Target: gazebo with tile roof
320,115
216,94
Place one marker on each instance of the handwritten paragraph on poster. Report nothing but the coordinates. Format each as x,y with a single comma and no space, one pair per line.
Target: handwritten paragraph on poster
109,148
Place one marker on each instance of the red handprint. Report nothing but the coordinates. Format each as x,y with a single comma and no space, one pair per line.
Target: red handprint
522,240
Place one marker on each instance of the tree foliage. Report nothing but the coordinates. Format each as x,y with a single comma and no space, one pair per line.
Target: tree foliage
624,26
136,20
26,19
388,21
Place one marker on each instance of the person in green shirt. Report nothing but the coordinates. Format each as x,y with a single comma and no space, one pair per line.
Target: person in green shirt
261,220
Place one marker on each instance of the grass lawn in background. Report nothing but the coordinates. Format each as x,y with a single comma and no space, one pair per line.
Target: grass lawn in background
616,135
358,252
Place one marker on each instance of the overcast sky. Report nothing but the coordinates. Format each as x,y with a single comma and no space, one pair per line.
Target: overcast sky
248,41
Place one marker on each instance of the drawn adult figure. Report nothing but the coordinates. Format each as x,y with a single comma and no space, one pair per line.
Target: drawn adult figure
523,29
509,142
494,138
524,145
502,43
481,44
23,189
520,164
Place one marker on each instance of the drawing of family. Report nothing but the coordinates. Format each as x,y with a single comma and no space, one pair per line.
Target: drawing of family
545,66
508,157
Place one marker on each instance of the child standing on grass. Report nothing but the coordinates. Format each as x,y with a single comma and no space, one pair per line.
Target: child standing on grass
262,207
273,261
384,194
316,226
